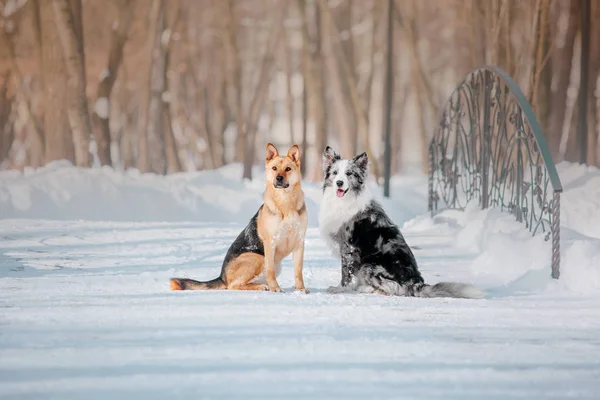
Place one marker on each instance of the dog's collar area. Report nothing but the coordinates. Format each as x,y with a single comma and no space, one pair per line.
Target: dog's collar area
300,211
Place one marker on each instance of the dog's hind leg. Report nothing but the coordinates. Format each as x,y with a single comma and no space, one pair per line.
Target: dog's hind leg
241,271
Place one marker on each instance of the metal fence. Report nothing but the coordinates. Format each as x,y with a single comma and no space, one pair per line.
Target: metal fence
489,147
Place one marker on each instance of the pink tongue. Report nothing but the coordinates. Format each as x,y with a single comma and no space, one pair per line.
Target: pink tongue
339,193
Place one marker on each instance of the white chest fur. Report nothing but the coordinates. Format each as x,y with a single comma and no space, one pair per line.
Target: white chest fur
336,211
290,227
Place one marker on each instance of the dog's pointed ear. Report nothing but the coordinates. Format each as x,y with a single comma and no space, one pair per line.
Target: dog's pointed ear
362,161
329,157
294,153
271,152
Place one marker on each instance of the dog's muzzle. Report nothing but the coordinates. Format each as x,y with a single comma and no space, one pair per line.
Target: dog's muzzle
280,183
340,192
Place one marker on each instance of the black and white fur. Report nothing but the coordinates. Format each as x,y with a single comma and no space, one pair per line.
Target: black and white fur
375,257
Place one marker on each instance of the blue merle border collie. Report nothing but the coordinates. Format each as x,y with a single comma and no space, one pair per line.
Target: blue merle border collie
375,257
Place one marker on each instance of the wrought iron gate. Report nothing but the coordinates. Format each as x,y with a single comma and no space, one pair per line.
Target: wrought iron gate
489,147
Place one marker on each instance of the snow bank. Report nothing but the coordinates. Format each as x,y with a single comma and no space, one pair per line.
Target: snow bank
511,261
580,201
60,191
506,255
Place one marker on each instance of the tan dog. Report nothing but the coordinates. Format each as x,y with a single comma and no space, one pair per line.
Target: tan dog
253,261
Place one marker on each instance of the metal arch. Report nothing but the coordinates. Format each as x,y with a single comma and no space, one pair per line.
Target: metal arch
489,147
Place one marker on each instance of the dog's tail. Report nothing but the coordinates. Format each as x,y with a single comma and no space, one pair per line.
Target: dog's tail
190,284
447,289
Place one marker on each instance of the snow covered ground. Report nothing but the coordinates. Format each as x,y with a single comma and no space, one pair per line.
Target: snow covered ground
85,310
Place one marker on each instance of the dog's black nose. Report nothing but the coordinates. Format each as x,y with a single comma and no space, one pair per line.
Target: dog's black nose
279,178
339,183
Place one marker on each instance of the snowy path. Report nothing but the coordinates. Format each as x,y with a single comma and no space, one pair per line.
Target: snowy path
85,312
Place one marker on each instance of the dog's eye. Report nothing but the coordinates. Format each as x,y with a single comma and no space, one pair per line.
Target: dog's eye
274,168
288,169
335,172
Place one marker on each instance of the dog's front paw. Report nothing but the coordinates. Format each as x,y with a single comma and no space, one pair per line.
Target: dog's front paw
302,289
276,289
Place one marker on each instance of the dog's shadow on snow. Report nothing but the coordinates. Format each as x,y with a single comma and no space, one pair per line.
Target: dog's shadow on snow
530,283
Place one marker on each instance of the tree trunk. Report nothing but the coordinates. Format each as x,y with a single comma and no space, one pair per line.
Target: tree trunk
223,122
542,75
144,115
209,122
68,25
101,114
156,138
351,57
171,152
234,70
172,155
593,156
562,60
346,42
6,129
304,122
58,141
205,115
126,139
343,116
351,86
314,83
36,151
376,13
289,98
261,91
218,103
201,102
36,140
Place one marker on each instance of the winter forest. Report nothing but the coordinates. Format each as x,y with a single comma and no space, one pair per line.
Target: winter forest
185,85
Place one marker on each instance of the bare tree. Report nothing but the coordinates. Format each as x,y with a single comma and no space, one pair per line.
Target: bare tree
166,41
37,146
153,32
70,33
422,91
58,140
344,19
344,117
351,85
108,76
6,129
234,68
562,60
257,102
593,156
206,82
289,98
156,139
313,71
541,83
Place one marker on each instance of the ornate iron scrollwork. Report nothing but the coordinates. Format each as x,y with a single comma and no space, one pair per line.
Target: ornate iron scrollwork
489,147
